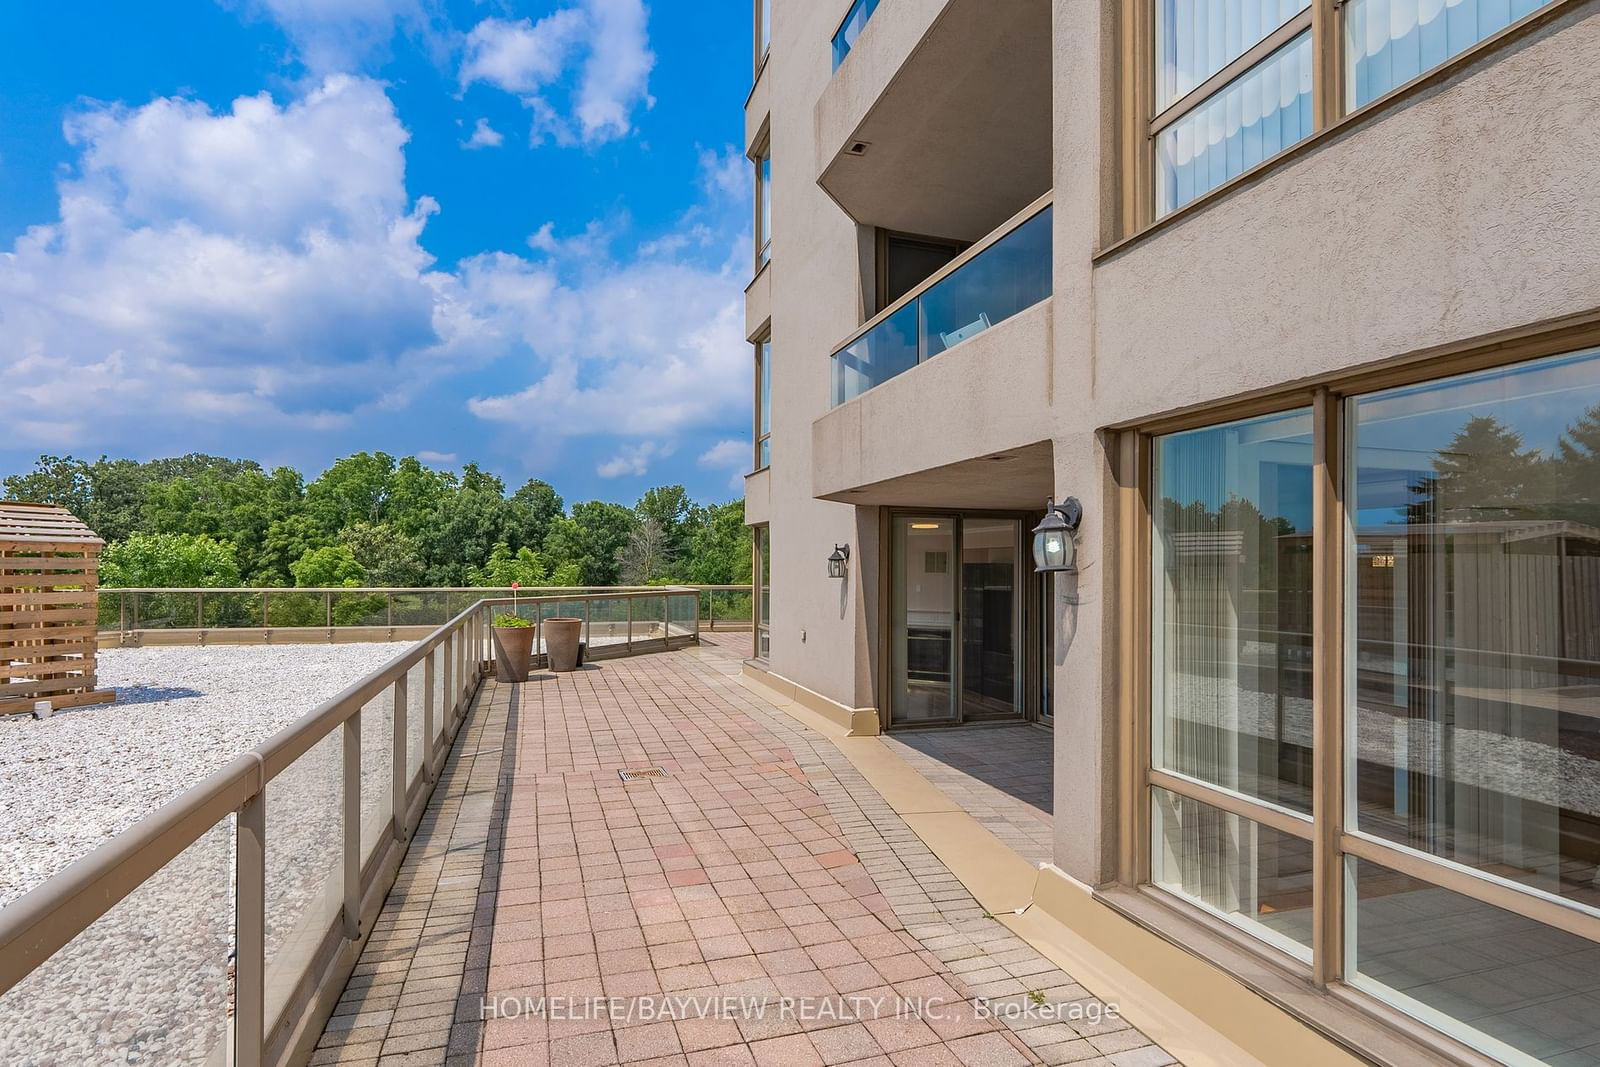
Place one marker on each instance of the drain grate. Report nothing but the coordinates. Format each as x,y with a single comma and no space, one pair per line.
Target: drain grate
641,774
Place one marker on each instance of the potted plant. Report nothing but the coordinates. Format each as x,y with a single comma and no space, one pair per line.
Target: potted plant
513,647
561,642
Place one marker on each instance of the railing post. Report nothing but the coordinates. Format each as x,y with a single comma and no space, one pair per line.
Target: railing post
200,611
711,609
249,931
449,694
398,778
666,621
135,611
588,638
388,610
122,619
697,619
327,610
429,679
629,602
266,619
352,826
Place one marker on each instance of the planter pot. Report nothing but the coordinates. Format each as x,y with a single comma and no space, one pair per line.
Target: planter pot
561,642
513,651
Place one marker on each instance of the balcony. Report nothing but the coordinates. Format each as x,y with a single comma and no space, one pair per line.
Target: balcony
938,122
1005,274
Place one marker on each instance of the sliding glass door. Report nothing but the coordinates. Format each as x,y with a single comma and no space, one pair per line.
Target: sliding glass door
956,620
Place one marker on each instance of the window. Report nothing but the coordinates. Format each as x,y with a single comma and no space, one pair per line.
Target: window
763,570
763,435
763,206
1235,83
1456,543
1389,42
763,31
855,20
1233,87
905,262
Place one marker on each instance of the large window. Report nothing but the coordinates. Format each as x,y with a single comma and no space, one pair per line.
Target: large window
1235,82
763,405
763,206
1374,710
855,20
763,30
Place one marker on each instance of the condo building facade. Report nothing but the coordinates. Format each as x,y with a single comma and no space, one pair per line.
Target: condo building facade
1298,301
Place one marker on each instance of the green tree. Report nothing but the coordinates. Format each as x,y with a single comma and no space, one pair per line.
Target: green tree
533,508
504,567
718,549
168,561
327,567
648,555
592,538
467,525
668,506
387,557
355,489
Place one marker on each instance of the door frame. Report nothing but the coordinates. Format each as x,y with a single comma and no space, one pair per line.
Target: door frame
1026,617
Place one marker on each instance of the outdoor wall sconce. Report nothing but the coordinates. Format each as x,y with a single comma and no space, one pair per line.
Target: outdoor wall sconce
839,562
1054,551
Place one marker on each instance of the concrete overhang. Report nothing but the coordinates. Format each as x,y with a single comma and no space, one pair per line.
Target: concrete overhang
956,121
969,428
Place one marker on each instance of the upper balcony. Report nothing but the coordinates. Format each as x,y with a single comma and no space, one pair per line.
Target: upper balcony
937,119
1000,276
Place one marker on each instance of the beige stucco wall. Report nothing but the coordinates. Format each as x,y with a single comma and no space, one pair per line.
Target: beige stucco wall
1465,209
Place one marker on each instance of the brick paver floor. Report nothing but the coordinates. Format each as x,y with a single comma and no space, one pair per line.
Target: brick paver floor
1001,775
758,904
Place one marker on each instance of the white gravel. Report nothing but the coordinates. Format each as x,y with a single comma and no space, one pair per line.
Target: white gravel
147,983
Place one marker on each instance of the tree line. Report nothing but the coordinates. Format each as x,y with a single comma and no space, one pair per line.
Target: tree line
373,520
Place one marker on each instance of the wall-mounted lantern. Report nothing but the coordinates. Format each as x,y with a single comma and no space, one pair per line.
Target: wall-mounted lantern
1053,549
839,562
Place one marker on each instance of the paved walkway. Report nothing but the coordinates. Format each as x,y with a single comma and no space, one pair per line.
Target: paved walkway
758,904
1001,775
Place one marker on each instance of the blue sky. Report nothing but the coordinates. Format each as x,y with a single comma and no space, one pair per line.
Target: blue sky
509,232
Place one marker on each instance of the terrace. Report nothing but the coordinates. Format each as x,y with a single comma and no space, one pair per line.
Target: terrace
399,877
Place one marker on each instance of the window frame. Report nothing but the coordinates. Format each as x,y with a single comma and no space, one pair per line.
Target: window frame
762,347
761,154
1140,124
1330,830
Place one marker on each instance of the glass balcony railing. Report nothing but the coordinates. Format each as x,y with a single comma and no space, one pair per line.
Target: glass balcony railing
1008,275
844,38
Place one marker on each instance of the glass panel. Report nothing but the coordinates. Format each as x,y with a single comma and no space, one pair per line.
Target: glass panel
1010,275
855,21
305,864
1513,988
924,616
1197,38
764,199
147,982
377,772
649,615
888,349
764,26
608,620
764,406
1253,118
1255,877
223,610
291,609
168,611
1475,575
681,609
1231,618
1007,277
1390,42
989,618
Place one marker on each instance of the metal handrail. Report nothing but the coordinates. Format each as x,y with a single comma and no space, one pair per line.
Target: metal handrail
48,917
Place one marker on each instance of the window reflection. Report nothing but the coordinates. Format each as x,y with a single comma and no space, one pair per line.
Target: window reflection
1475,589
1231,692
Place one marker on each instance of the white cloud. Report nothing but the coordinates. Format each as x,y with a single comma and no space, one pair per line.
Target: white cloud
633,460
338,36
581,70
429,456
730,452
484,136
263,265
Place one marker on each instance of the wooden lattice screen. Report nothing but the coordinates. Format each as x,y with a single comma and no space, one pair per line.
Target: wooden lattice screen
49,603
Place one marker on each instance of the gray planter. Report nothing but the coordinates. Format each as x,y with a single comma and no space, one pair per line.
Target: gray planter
561,642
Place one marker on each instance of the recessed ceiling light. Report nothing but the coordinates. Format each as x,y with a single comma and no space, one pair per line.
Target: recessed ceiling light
924,526
858,148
